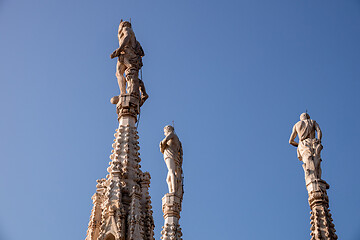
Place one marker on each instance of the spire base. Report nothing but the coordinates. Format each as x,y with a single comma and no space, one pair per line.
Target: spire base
322,227
171,206
126,105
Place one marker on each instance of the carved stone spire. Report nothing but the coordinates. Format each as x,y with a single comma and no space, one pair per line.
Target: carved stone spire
309,148
95,218
171,147
171,206
122,205
322,227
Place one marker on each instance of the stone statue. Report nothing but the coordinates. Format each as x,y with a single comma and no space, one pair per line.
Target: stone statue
129,55
171,147
309,147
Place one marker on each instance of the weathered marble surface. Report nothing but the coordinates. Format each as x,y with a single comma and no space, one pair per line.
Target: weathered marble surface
308,150
129,62
171,147
122,207
309,147
171,206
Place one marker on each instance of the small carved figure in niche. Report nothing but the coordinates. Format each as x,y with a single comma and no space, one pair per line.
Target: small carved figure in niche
171,147
129,62
309,147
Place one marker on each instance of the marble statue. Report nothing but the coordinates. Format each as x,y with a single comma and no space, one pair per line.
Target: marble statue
129,62
309,147
171,147
308,151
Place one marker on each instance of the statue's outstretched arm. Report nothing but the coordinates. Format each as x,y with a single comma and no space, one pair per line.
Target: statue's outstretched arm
115,54
292,137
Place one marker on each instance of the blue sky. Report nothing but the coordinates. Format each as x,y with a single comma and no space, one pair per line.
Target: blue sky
233,75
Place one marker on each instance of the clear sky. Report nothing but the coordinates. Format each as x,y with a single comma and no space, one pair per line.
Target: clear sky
233,75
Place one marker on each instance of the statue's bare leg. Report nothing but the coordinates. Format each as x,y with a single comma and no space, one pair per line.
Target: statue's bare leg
317,161
120,69
168,180
171,174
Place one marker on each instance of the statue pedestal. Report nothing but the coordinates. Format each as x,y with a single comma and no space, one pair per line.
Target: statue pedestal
317,185
322,226
171,206
127,105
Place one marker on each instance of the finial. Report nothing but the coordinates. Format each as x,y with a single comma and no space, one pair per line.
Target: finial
173,124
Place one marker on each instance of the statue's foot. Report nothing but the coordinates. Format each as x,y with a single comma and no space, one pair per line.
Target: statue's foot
115,99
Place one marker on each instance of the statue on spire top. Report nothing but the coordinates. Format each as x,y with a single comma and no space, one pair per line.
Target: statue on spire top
171,147
129,62
309,147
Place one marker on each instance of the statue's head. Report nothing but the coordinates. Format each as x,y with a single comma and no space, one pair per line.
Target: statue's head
124,24
304,116
168,129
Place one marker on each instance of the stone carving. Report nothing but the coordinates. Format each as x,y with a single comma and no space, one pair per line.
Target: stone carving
171,147
309,147
122,205
129,62
136,216
171,231
171,205
95,218
308,150
147,208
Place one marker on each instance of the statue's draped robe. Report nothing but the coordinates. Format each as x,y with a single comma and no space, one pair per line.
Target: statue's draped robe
309,147
174,152
132,56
